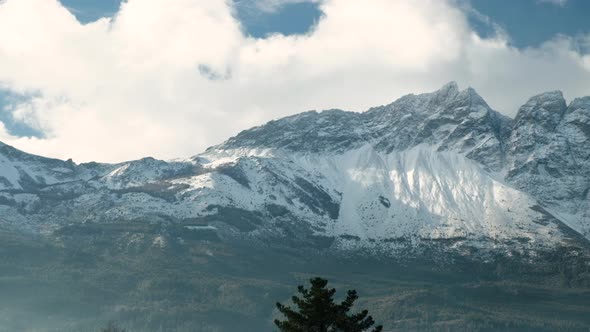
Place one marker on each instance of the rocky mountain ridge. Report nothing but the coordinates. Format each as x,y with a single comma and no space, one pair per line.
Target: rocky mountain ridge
439,166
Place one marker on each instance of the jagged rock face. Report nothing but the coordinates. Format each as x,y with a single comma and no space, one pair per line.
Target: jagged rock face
450,119
435,166
549,155
537,148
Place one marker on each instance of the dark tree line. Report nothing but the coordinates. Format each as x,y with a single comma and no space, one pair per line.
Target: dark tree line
315,311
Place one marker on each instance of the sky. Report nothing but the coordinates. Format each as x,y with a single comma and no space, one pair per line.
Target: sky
105,80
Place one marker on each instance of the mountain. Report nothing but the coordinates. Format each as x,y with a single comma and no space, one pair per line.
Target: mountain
439,166
549,156
438,179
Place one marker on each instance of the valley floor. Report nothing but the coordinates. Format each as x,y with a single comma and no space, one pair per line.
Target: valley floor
77,282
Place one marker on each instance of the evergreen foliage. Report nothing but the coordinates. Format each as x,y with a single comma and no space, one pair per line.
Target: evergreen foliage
112,327
317,312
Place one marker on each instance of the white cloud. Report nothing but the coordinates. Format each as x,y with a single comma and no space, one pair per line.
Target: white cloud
268,6
560,3
133,86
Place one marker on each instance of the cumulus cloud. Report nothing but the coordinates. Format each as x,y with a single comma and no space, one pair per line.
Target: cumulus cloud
560,3
169,78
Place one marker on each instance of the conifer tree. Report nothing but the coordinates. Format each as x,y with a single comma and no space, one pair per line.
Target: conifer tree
317,312
112,327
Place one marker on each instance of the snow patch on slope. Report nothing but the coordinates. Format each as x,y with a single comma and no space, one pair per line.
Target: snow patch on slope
413,193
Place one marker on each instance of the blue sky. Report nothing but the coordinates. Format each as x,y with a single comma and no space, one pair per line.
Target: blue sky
186,75
91,10
287,19
528,22
532,22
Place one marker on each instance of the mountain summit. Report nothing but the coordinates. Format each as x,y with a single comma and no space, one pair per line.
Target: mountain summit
440,167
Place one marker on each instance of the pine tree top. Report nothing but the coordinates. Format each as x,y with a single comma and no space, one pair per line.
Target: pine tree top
316,311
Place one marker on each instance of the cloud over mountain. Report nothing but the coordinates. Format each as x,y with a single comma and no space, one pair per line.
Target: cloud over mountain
171,78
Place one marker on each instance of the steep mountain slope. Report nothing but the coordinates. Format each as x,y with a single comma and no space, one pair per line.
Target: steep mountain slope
549,156
439,167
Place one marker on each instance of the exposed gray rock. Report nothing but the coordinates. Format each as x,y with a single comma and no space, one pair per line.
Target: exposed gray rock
353,178
549,155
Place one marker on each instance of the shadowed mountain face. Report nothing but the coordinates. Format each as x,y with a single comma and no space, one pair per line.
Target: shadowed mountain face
436,182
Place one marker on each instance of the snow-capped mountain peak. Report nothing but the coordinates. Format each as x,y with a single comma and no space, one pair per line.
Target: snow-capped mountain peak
544,110
427,167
